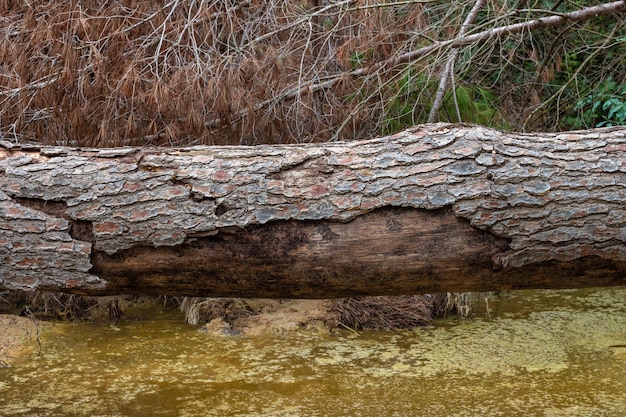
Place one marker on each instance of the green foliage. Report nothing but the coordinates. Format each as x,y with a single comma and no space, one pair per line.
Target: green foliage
605,107
413,100
408,107
356,59
550,79
476,105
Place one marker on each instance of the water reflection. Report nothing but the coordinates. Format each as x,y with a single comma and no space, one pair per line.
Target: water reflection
552,353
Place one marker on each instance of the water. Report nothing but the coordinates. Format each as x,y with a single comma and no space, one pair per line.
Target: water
546,353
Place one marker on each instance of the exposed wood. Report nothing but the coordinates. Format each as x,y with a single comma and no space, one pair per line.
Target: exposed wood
435,208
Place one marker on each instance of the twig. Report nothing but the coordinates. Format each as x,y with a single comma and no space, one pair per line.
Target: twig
41,83
463,40
587,60
577,16
449,66
31,316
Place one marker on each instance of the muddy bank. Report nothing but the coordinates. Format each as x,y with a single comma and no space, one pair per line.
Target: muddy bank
17,338
269,316
224,317
277,317
19,335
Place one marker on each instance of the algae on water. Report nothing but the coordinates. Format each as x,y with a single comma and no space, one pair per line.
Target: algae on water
552,353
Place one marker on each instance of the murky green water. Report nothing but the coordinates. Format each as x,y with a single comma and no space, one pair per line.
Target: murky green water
546,353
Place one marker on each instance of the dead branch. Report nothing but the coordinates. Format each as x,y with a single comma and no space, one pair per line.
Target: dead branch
448,69
460,41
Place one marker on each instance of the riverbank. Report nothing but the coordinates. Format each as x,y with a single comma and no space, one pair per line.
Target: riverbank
18,337
269,316
214,316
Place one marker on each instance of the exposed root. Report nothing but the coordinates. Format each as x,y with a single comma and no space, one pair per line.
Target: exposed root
58,306
115,312
453,302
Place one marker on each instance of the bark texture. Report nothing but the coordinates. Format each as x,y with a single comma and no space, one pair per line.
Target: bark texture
434,208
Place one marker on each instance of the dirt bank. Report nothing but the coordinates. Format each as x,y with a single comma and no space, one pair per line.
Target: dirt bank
276,317
265,316
224,316
17,338
280,317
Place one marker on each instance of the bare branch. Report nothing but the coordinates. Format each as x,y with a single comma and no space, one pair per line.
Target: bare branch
544,22
461,40
557,95
449,67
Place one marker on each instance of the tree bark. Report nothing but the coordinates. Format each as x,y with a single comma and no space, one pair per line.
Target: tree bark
434,208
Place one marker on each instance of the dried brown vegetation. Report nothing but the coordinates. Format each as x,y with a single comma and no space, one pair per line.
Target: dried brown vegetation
400,312
397,312
50,305
176,72
201,310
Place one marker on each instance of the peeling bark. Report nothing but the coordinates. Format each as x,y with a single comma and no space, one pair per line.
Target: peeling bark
434,208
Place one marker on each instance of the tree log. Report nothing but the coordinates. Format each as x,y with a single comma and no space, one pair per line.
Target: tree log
432,209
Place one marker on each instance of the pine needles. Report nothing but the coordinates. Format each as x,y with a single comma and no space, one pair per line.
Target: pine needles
178,72
181,72
399,312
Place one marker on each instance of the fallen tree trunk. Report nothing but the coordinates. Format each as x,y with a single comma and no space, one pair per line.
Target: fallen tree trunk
435,208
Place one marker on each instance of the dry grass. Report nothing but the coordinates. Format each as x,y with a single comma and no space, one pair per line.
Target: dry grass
50,305
397,312
60,306
453,303
177,72
201,309
400,312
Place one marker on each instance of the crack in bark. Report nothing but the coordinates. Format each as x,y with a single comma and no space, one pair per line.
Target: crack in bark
78,229
54,208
